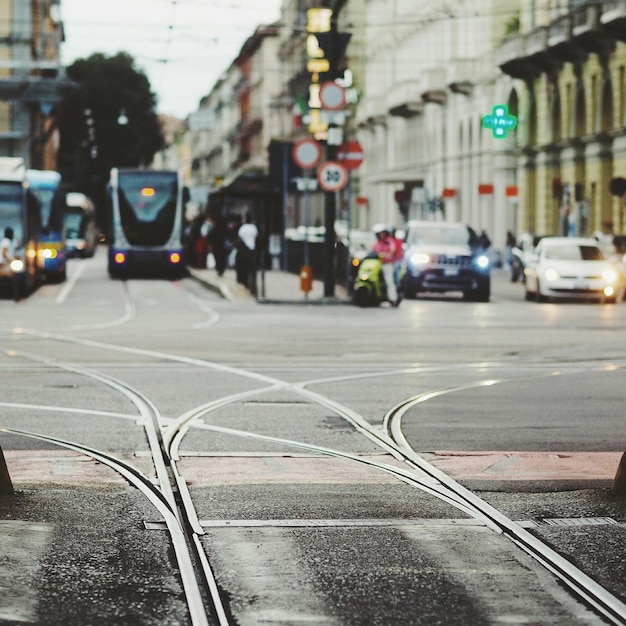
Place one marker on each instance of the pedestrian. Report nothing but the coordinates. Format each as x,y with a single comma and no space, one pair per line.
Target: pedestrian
217,243
510,244
7,251
203,245
246,253
385,248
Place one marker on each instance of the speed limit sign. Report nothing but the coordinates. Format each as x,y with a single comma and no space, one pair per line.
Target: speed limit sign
332,176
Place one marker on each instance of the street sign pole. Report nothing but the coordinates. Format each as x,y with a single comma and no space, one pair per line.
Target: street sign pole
307,216
307,153
348,200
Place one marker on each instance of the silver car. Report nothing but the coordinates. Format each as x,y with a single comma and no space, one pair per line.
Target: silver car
570,267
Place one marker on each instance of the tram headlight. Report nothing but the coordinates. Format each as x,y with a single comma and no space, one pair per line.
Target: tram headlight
17,265
175,258
119,258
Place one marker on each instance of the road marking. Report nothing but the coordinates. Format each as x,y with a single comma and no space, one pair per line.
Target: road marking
69,284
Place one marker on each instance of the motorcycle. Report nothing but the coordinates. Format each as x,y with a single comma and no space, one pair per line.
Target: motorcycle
369,284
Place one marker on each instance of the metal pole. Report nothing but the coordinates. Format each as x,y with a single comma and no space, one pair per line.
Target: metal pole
348,200
285,197
307,214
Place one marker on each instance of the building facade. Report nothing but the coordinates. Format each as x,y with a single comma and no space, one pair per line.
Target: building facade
425,79
31,80
566,67
429,78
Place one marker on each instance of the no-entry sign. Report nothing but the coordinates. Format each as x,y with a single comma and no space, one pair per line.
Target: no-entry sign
350,154
332,176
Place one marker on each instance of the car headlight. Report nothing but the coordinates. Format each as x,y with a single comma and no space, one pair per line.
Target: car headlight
419,258
17,265
482,261
551,274
609,275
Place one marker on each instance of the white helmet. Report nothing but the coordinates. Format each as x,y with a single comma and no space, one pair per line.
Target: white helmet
380,228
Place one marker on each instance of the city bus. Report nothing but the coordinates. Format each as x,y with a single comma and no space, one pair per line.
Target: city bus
79,225
148,212
21,211
51,256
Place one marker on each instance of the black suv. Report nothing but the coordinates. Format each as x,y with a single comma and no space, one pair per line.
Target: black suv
442,257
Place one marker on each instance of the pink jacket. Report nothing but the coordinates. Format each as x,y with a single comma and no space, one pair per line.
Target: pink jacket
386,250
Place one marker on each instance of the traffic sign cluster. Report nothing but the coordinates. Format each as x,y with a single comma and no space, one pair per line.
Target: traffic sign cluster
331,175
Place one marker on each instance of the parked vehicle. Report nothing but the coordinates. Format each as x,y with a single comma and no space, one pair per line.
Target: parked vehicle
571,267
445,256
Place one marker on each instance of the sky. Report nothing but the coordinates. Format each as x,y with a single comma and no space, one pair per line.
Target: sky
183,46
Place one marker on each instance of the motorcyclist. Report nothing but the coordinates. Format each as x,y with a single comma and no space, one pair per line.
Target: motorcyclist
386,249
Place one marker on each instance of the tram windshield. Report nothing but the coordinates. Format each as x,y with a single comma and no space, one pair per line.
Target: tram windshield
147,202
11,210
73,223
51,207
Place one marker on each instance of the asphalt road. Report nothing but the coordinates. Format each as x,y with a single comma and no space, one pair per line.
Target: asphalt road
272,413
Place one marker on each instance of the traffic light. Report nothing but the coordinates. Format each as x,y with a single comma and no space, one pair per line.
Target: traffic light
333,45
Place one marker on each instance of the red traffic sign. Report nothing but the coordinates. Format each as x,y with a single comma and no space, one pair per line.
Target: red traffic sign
307,153
350,154
332,176
332,96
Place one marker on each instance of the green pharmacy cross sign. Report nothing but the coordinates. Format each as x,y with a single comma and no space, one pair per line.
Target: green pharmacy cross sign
500,122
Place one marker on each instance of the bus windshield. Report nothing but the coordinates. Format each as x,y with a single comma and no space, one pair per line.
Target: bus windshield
147,202
11,208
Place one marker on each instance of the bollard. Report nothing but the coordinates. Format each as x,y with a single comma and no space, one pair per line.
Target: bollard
306,279
619,483
6,486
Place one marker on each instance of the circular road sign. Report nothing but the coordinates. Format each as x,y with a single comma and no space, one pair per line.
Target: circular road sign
332,96
332,176
350,154
307,153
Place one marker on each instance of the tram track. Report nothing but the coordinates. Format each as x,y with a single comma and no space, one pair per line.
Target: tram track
420,474
176,511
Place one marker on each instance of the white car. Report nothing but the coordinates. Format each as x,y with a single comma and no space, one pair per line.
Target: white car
571,267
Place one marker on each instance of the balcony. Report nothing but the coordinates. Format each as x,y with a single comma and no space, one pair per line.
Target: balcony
434,86
561,42
403,99
371,111
511,58
538,50
587,29
613,18
459,76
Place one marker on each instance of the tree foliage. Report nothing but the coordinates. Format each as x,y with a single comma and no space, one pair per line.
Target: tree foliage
92,140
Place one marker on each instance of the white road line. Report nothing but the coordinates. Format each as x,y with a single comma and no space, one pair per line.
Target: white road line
69,284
